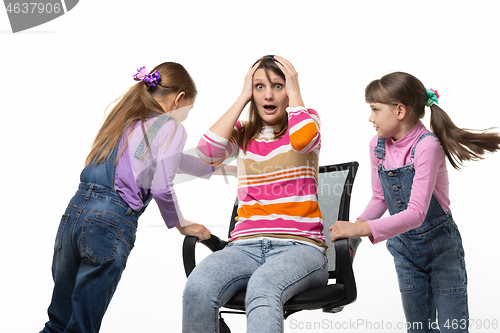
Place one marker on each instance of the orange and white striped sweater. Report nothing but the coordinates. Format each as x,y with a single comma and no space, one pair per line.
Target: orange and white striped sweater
277,178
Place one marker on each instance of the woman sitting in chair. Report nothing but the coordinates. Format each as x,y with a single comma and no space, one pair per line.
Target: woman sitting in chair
277,247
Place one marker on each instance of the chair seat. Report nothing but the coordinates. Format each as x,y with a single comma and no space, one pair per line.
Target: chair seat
310,300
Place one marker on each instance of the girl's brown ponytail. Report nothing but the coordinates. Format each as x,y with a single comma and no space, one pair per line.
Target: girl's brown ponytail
461,144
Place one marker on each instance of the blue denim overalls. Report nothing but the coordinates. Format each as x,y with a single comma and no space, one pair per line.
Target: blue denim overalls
429,259
95,237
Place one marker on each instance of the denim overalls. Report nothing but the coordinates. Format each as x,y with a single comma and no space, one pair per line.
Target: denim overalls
95,237
429,259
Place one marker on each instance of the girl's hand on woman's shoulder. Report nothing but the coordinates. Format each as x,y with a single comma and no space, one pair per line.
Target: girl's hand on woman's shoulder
292,81
226,170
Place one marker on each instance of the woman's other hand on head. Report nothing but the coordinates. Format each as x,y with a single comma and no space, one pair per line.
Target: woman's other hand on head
292,81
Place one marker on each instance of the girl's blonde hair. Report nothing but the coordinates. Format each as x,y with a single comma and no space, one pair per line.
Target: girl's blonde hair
138,103
459,144
254,125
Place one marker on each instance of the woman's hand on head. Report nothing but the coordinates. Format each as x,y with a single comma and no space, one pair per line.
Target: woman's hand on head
292,81
189,228
247,91
225,125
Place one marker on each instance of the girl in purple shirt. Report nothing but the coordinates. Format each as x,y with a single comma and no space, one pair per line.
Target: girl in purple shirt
134,159
410,179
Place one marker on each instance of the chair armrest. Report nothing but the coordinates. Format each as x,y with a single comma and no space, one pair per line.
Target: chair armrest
344,273
353,245
214,243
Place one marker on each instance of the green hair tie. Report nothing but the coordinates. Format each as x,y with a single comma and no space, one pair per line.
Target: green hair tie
433,97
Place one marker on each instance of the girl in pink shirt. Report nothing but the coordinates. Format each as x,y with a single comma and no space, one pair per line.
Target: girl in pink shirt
410,179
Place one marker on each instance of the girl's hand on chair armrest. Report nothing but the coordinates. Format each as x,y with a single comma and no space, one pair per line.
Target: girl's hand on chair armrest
188,228
345,229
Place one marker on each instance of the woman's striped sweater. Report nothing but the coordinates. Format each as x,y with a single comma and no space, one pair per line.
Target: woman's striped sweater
277,178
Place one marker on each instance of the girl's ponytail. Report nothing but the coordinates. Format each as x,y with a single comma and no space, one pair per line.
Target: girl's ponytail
461,144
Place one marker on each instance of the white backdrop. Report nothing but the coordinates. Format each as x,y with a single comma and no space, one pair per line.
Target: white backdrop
57,79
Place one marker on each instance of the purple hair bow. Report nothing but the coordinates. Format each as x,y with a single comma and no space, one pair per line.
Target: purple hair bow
151,80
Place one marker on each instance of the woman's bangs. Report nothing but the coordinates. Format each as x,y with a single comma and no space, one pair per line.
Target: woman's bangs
268,64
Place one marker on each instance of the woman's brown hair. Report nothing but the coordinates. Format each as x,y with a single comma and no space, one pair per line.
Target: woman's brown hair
254,124
459,144
138,103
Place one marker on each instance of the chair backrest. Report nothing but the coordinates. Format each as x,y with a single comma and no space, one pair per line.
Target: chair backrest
334,197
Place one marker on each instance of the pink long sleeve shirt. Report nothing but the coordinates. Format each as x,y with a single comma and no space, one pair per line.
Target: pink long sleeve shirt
431,177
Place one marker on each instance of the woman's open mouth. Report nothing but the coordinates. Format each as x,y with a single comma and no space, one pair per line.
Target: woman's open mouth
270,109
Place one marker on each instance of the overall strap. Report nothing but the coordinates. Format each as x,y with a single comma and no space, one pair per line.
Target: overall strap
380,148
102,174
143,147
420,139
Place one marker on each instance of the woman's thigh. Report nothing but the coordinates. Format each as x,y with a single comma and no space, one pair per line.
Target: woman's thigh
288,272
221,275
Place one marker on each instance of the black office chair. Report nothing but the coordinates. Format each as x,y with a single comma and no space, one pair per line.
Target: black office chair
334,195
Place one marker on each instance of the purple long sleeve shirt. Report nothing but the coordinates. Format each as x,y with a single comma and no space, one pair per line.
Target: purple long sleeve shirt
135,177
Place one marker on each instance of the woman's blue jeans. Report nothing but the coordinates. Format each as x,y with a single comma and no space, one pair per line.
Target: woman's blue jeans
271,271
95,236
